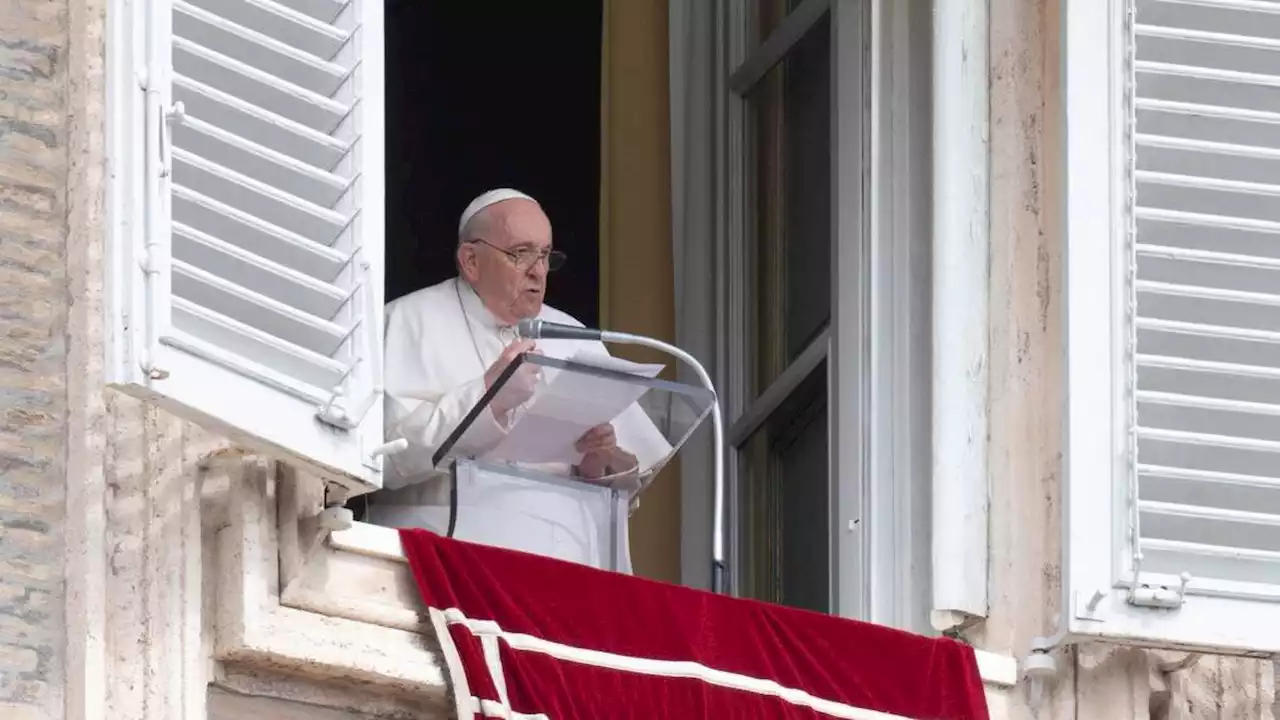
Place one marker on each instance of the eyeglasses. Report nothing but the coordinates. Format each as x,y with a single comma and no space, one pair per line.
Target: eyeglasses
526,258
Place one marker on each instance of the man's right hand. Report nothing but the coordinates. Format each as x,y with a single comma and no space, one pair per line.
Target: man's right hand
519,387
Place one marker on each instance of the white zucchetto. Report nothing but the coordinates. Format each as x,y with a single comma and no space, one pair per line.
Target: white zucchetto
487,199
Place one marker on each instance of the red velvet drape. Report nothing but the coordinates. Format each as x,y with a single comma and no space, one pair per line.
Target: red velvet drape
550,637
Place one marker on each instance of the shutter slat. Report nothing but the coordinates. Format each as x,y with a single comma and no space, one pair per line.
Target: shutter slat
1210,526
1207,183
1209,477
1200,512
260,51
1220,38
1260,6
1207,331
1207,366
256,272
262,163
1208,293
326,11
1247,572
1208,256
264,90
266,128
1206,146
254,309
264,374
1204,73
1206,550
279,21
241,229
1207,403
1208,220
297,369
271,204
1203,439
1205,110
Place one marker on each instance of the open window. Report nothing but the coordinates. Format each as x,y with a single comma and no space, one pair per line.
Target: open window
1173,151
819,156
250,197
795,325
782,432
246,203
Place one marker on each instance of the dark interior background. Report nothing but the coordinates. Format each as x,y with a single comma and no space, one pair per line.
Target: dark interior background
502,93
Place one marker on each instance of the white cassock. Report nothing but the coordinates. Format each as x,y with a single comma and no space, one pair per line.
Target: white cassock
439,342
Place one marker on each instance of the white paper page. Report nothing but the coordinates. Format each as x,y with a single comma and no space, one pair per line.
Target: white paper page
567,407
607,362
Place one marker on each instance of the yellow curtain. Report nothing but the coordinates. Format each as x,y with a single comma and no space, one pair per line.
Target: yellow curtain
636,278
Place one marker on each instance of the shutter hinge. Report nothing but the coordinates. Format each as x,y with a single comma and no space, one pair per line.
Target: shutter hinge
373,459
1160,596
336,413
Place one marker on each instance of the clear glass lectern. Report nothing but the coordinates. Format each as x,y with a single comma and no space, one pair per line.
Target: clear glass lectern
518,477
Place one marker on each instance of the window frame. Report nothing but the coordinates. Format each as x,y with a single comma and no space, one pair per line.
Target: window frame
879,377
1099,569
750,66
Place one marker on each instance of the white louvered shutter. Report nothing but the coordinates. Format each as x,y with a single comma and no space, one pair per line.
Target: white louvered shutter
252,298
1174,374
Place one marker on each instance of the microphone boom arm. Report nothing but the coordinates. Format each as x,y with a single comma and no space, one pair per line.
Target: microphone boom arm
719,570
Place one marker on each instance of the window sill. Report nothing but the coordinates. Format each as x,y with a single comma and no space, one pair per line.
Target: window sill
287,603
383,544
996,670
371,541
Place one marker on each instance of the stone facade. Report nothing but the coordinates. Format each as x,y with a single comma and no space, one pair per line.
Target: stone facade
109,542
1025,397
34,149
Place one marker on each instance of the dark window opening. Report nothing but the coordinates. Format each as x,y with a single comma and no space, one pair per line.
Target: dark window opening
485,95
495,94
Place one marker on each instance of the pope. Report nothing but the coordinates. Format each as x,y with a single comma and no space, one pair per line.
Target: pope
447,345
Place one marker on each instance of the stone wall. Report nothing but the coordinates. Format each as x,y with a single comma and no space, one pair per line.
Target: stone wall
84,473
33,352
224,705
1025,401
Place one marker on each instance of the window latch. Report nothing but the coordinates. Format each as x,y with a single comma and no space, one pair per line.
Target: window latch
175,115
336,413
1160,596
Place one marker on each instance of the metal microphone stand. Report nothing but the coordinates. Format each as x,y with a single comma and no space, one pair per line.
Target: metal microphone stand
719,570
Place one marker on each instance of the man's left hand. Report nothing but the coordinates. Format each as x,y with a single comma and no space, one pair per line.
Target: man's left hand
601,454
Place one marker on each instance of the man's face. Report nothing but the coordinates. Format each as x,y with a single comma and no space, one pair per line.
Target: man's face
506,260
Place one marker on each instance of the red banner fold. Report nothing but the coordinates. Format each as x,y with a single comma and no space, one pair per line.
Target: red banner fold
530,637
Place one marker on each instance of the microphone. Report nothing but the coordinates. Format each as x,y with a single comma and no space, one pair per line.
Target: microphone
538,329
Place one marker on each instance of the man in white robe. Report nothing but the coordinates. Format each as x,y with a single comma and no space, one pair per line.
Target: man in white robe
445,346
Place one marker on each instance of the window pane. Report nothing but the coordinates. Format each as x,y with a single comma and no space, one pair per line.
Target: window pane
790,113
785,491
767,15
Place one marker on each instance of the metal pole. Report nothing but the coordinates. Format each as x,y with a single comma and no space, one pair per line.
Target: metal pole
719,569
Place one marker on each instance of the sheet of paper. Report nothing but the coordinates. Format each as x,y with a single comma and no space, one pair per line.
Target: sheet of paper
567,406
608,362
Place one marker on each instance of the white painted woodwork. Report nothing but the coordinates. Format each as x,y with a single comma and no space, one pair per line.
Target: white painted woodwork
1173,339
247,223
